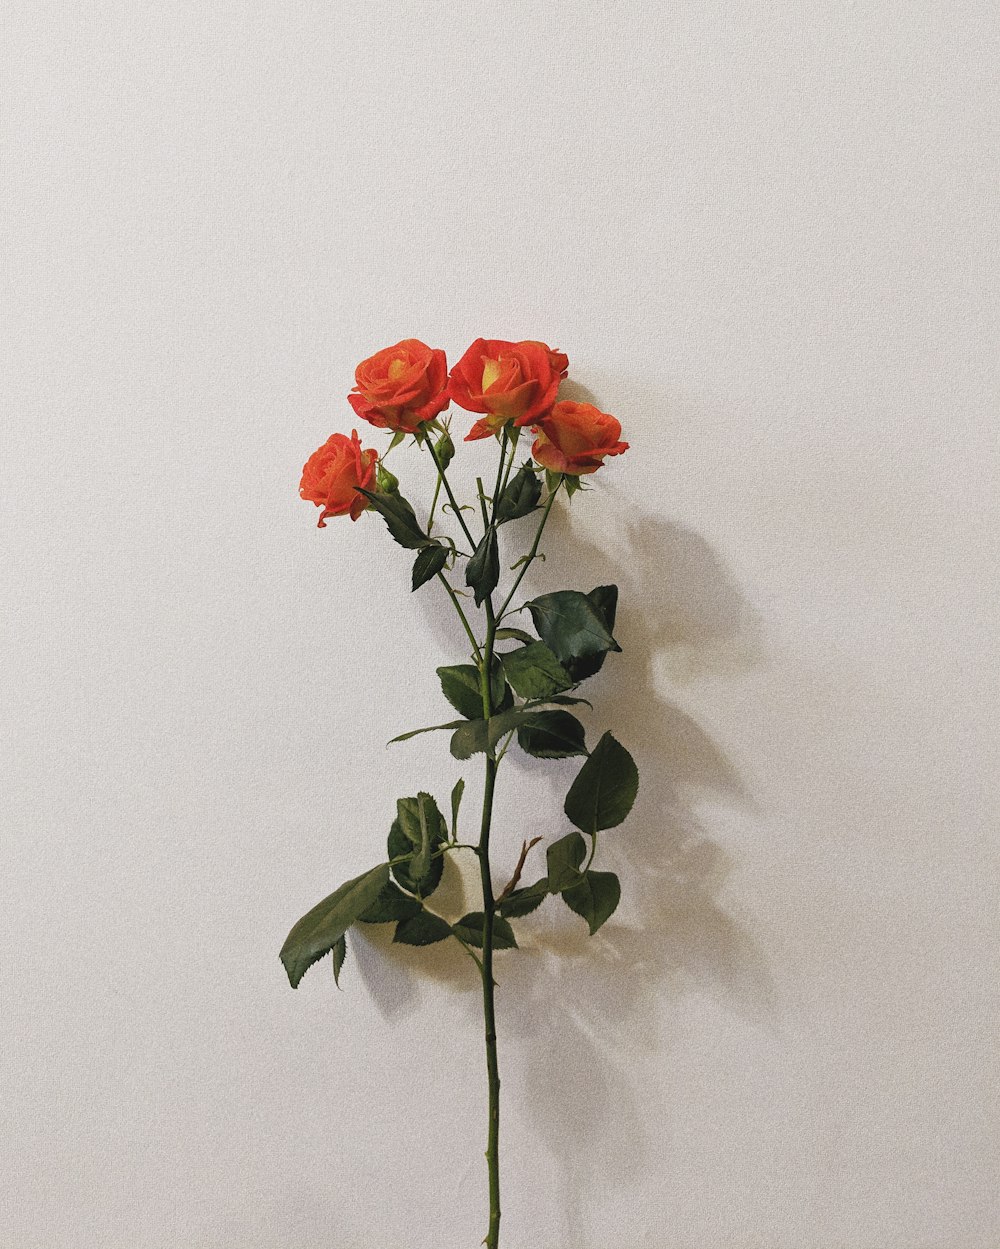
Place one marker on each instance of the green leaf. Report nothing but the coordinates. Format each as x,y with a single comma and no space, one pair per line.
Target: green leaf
573,484
319,930
503,635
430,728
605,788
397,438
524,901
422,884
339,954
596,897
552,735
521,495
471,738
399,517
391,904
564,701
604,599
428,564
534,672
456,800
461,685
470,929
563,858
571,626
482,572
423,929
424,827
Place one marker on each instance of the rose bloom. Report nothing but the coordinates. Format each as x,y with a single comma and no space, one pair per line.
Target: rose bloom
401,387
575,437
506,381
332,473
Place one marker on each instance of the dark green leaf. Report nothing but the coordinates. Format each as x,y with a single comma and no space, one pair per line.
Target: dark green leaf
552,735
605,788
503,635
462,686
563,858
338,955
428,564
596,897
534,672
423,929
421,884
565,701
573,484
605,602
399,517
521,495
482,572
471,738
319,930
424,827
571,626
524,901
391,904
430,728
470,929
456,799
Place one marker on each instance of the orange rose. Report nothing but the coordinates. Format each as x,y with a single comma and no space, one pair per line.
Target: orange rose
402,386
507,381
575,437
331,475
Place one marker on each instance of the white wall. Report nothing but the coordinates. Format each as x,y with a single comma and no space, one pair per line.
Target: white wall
765,234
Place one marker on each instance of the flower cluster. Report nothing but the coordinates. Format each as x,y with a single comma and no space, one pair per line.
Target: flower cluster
512,386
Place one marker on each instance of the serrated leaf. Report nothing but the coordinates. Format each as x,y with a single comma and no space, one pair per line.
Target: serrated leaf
423,929
399,517
339,953
604,599
534,672
571,626
423,885
504,634
605,788
563,859
471,738
424,827
482,572
520,496
470,929
391,904
596,897
319,930
456,801
428,564
552,735
461,685
524,901
430,728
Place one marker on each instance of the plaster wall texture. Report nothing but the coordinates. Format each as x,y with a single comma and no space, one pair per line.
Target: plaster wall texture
766,236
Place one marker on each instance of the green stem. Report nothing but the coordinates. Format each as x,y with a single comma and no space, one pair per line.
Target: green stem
434,503
531,554
451,497
461,615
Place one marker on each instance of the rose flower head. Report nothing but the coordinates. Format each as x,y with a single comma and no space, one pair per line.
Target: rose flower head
575,437
507,382
401,387
332,474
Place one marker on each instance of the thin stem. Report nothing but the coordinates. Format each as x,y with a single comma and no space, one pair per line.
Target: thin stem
532,553
451,497
461,615
434,503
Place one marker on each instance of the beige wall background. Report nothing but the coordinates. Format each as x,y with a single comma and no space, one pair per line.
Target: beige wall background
765,234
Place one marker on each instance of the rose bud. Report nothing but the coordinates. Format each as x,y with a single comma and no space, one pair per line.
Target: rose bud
401,387
332,473
575,437
506,381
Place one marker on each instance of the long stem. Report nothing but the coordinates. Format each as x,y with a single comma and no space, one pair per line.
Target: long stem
531,554
451,497
492,1239
461,614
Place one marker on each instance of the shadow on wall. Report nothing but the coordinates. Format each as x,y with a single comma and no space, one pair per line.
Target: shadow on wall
573,1008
